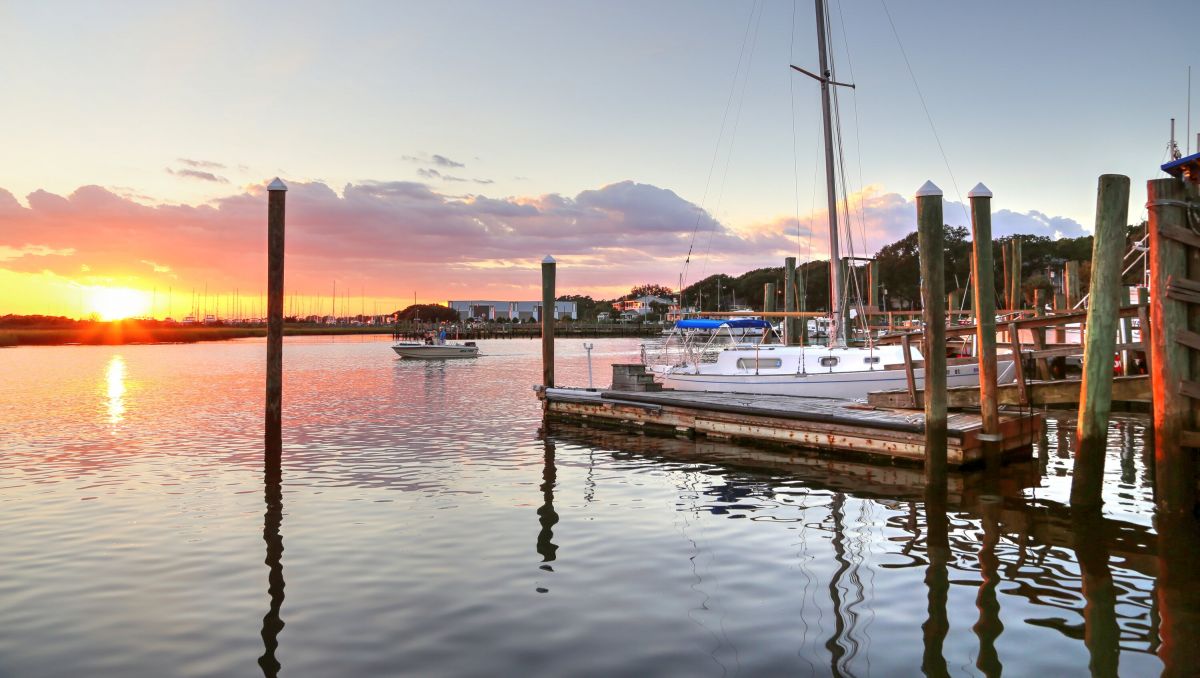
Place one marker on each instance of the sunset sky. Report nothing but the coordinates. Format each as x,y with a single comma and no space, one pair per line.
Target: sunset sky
442,149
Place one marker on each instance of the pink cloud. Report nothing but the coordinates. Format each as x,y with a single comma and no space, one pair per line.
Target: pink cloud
394,237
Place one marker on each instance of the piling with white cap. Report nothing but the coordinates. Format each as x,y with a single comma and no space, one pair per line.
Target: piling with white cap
932,251
984,271
548,308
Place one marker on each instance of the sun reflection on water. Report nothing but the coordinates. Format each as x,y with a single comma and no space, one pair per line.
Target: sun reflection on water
114,376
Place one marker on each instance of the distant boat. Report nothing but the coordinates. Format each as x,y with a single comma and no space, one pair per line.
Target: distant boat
435,348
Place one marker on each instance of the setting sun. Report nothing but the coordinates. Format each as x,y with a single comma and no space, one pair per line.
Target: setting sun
117,303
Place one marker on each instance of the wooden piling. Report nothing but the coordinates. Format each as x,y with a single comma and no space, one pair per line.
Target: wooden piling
931,246
1005,274
1071,287
769,297
1104,302
1170,371
1018,302
985,308
548,274
790,304
276,200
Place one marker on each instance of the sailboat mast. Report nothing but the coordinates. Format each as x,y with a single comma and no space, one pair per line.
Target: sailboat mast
837,333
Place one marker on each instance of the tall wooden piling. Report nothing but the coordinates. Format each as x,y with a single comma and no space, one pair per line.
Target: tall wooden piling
790,335
276,200
1170,369
548,273
769,297
985,311
1104,303
931,246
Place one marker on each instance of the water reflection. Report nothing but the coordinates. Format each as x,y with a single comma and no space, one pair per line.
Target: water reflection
547,516
114,381
272,525
937,584
1033,563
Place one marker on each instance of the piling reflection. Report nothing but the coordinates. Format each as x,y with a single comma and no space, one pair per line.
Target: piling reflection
1101,632
989,627
272,526
1178,595
937,583
1084,578
547,517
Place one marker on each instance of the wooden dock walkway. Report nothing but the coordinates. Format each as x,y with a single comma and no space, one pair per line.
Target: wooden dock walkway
841,426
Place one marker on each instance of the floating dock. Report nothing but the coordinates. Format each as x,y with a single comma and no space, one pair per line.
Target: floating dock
824,424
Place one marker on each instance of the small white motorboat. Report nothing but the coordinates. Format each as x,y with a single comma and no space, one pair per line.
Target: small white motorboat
435,348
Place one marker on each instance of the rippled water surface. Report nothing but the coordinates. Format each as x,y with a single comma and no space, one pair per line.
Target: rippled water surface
426,526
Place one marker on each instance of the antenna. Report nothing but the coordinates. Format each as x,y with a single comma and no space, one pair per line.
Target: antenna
1173,148
1187,140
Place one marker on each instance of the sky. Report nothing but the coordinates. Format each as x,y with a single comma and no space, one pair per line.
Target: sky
440,150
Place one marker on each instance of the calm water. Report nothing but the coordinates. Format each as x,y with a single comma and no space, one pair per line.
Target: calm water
424,527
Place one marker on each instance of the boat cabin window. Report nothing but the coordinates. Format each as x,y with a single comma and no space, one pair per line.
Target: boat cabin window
759,363
829,361
871,360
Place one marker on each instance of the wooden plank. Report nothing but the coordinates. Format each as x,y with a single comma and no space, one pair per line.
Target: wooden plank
1190,438
1188,338
1077,349
1134,389
1189,388
819,423
1179,234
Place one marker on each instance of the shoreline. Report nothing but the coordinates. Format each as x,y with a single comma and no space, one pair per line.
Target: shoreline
115,334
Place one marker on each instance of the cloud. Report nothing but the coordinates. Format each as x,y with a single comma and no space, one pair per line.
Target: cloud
435,159
201,164
197,174
395,236
8,252
430,173
157,268
443,161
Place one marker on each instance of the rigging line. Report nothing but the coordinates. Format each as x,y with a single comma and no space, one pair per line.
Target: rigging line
732,137
925,106
717,148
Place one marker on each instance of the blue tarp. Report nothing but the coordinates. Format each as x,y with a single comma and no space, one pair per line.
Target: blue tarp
711,324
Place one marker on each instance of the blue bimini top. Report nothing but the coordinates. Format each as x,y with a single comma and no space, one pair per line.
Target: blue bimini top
712,324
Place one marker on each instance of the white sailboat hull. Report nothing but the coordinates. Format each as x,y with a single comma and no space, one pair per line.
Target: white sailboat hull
435,351
853,385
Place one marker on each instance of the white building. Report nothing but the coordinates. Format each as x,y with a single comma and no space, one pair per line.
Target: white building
512,310
642,305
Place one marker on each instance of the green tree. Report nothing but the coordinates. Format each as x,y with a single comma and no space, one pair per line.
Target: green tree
429,313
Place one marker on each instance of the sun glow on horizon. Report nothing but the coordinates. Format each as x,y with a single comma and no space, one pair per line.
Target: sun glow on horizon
118,303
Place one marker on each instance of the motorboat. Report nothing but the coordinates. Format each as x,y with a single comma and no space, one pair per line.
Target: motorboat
435,348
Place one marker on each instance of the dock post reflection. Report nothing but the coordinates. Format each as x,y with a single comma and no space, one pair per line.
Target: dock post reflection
1101,633
989,627
547,517
272,526
937,549
1178,594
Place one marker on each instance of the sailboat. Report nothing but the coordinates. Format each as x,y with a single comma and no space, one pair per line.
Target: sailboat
715,355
